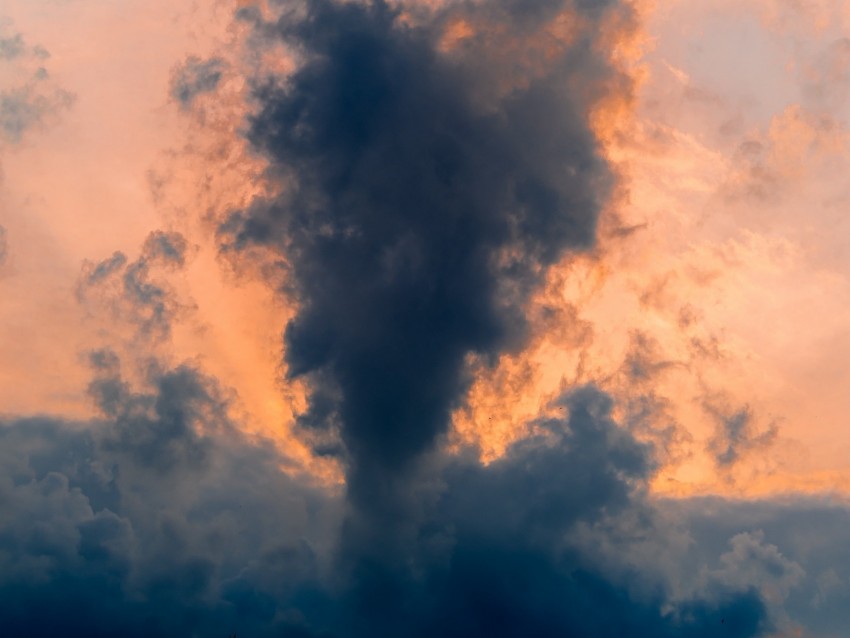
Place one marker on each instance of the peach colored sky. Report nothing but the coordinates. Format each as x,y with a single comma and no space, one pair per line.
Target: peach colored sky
728,297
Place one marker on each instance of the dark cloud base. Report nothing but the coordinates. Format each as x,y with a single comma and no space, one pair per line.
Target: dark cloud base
160,519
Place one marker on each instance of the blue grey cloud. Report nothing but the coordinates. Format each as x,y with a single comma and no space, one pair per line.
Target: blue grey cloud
12,46
151,520
194,77
130,288
33,98
159,518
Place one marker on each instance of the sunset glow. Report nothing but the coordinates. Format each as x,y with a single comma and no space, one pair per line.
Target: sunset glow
445,318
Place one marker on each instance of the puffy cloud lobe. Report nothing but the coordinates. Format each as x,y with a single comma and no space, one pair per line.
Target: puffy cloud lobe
753,563
794,550
421,204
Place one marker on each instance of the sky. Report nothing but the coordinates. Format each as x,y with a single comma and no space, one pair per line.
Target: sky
341,318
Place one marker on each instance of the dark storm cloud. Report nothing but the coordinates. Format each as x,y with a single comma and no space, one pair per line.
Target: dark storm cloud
422,203
194,77
491,557
424,193
160,519
154,520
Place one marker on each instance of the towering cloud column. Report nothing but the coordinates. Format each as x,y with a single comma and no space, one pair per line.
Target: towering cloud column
433,164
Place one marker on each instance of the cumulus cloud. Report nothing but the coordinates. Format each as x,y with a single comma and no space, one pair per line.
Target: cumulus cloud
159,517
154,519
793,550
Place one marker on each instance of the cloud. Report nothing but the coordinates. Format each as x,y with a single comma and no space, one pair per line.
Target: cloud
152,519
826,79
736,434
422,199
26,107
432,164
160,518
752,563
493,555
11,46
793,549
128,287
194,77
30,97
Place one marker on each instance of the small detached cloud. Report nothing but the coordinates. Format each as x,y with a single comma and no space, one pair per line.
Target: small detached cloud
736,434
194,77
27,107
12,46
130,288
31,99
